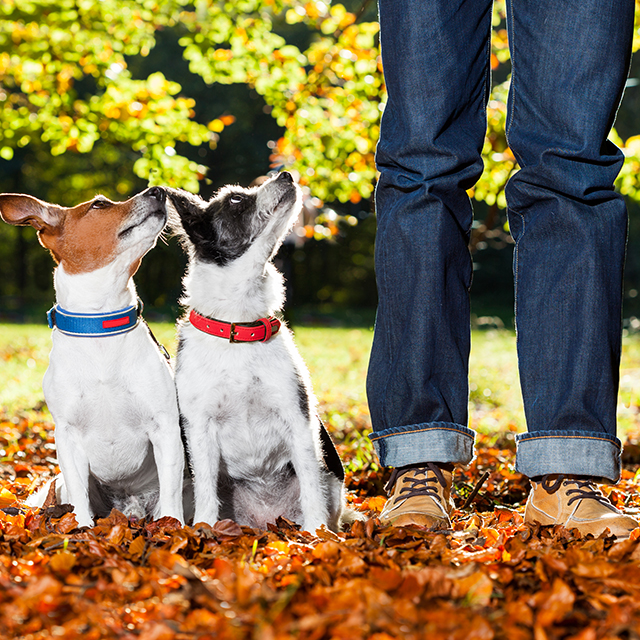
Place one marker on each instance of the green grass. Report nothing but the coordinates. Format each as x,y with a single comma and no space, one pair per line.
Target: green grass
24,356
629,396
337,359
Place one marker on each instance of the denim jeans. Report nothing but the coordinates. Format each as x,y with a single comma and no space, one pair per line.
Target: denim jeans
570,61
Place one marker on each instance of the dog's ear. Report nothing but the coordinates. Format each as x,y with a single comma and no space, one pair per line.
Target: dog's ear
19,209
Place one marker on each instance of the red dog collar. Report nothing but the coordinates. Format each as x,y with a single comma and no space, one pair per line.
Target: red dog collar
259,331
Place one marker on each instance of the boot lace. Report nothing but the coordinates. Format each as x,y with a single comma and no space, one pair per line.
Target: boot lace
584,489
420,484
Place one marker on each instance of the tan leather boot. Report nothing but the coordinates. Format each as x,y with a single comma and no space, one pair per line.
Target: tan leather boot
575,504
419,496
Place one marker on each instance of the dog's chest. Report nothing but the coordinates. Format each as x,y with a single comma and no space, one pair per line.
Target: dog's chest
109,386
245,396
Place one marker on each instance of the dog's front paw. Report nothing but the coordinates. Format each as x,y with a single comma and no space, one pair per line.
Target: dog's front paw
176,514
84,520
207,518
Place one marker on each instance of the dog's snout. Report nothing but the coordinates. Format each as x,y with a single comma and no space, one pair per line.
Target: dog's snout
286,176
156,192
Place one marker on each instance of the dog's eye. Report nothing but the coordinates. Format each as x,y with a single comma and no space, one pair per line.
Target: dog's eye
235,199
100,204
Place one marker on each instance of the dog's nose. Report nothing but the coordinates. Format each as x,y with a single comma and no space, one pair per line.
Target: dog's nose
156,192
286,176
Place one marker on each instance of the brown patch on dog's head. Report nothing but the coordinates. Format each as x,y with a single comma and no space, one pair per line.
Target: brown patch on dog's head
82,238
88,237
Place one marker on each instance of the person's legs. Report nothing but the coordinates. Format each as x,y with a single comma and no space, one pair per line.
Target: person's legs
436,61
570,62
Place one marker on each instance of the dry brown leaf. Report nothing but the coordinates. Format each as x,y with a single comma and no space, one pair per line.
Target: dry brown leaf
476,589
227,529
586,634
6,498
327,550
598,569
351,563
117,533
386,579
66,524
555,604
519,613
62,562
480,629
137,546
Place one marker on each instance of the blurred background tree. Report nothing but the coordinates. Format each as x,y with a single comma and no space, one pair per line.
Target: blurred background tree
114,95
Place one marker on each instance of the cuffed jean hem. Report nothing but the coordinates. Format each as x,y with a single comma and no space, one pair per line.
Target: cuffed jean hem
583,453
432,442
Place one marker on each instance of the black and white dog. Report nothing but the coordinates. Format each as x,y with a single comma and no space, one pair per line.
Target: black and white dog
257,447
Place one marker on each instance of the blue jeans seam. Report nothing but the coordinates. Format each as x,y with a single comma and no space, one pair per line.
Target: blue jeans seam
487,77
516,266
512,86
374,437
508,125
530,436
381,276
383,448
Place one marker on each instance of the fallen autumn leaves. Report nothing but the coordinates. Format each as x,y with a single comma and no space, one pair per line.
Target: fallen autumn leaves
491,577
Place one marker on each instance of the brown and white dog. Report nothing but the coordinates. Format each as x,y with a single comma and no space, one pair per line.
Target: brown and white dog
108,386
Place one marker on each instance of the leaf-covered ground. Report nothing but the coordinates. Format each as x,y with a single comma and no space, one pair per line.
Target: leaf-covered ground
489,577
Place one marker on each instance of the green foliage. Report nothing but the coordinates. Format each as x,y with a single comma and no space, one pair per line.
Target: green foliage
110,96
333,87
64,82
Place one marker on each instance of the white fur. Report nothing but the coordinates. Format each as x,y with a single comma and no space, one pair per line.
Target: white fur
113,400
244,426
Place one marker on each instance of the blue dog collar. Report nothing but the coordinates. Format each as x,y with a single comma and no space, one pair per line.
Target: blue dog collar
94,325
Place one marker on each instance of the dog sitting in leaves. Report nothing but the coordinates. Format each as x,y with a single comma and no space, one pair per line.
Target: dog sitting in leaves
256,446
